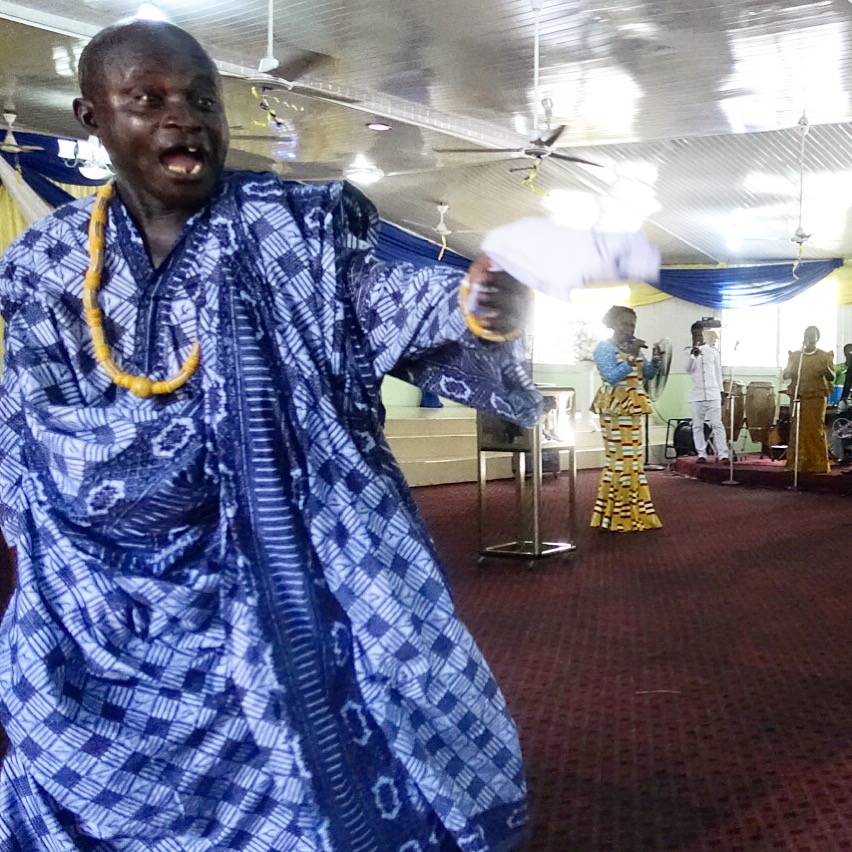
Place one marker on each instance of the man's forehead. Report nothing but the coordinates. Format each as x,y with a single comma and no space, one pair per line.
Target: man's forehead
143,48
137,59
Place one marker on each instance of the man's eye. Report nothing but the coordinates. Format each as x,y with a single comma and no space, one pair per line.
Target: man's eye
147,99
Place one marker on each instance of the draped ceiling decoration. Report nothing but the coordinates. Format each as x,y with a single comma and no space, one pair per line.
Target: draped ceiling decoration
47,182
744,286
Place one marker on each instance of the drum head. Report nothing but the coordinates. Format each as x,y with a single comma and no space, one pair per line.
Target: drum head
840,436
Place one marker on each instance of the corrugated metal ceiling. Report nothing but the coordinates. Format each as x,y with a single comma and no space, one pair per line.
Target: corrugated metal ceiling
690,107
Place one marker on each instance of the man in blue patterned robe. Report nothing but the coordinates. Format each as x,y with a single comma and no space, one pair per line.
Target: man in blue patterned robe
230,631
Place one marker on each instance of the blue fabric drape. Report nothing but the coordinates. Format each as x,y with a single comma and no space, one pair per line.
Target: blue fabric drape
734,287
395,245
39,168
744,286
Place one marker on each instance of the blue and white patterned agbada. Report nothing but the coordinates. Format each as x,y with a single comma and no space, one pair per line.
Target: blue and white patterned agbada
230,631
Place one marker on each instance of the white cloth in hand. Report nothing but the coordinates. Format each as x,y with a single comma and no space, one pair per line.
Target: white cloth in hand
555,259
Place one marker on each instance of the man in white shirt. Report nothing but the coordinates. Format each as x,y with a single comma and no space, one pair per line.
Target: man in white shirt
704,366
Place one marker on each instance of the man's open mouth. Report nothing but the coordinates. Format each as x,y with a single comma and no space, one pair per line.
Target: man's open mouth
184,160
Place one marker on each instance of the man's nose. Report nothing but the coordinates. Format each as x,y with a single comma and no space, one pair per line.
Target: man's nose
181,114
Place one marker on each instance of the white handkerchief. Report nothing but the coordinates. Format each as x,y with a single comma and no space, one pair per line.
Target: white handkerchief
554,259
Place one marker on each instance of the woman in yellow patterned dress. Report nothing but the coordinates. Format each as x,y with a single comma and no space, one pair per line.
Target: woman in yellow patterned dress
811,382
624,502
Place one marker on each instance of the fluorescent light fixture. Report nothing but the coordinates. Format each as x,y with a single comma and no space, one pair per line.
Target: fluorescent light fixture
572,208
363,170
67,149
150,12
378,126
92,171
89,157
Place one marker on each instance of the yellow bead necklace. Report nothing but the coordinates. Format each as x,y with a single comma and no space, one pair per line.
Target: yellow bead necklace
142,386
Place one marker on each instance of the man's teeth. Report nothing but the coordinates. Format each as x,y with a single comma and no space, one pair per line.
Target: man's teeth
180,171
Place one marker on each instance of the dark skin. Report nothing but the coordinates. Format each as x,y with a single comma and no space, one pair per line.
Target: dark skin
155,100
697,340
811,338
624,326
155,103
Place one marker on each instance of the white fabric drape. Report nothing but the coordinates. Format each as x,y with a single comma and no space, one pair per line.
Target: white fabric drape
32,207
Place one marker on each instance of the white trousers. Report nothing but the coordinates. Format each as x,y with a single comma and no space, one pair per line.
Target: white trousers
710,411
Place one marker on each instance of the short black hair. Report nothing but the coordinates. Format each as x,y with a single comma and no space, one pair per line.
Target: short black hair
108,41
697,326
610,318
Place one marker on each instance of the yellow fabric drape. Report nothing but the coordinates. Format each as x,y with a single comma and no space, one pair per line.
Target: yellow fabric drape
843,276
77,191
12,223
645,294
640,293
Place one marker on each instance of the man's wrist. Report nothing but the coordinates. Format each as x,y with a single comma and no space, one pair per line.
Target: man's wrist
473,323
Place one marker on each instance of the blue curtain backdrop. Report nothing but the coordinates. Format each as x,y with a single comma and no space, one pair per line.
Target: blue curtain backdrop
40,168
744,286
396,244
735,287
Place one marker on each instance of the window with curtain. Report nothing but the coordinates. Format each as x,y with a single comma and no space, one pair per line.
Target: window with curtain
567,332
762,336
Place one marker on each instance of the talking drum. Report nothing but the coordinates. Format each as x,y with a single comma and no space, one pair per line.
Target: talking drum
760,410
738,396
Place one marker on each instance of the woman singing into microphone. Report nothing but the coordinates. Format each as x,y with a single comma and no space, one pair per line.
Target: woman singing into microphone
624,502
810,372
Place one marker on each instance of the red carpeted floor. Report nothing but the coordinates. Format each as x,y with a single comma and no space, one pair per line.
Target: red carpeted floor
688,688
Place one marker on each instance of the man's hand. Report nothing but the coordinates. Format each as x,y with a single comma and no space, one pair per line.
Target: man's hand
502,302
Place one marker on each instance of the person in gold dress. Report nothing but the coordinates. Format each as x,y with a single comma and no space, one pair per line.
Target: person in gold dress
623,502
810,373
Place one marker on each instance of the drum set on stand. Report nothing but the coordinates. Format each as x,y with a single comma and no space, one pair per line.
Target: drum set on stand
754,408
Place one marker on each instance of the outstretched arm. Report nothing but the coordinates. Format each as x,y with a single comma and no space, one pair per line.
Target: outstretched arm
453,334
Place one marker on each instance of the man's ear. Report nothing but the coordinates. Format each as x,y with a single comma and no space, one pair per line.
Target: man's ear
84,111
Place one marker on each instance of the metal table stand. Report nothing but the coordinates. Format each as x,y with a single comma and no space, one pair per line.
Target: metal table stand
495,435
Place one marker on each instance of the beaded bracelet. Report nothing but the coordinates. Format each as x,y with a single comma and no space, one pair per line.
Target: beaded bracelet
475,325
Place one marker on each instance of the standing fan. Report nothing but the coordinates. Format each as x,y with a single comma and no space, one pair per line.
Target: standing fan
654,387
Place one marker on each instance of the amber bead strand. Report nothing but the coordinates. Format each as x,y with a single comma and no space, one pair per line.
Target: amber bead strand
141,386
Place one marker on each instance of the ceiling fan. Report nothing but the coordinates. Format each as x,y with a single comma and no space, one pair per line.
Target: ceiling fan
441,229
800,235
10,145
273,74
541,146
